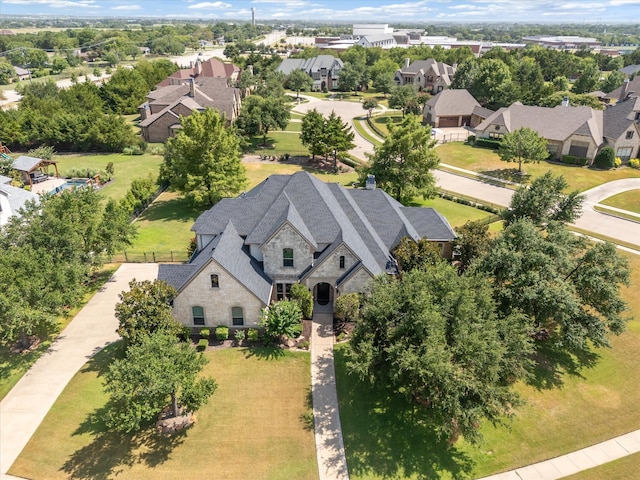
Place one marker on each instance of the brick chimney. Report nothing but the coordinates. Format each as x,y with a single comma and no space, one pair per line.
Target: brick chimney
371,182
623,92
192,87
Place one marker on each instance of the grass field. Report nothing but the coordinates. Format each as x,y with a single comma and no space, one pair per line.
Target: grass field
625,468
380,121
252,428
629,200
14,366
385,439
486,161
126,168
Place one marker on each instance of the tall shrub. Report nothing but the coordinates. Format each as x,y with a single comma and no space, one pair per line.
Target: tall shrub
302,295
606,158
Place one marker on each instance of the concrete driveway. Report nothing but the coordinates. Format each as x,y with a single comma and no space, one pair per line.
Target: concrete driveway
93,328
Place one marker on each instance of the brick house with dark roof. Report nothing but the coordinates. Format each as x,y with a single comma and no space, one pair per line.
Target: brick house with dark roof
427,75
160,114
292,229
212,68
454,108
622,128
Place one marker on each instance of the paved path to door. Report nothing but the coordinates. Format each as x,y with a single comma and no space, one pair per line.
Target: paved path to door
332,463
93,328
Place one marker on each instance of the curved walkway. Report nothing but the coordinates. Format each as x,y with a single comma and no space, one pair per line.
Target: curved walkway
92,329
332,463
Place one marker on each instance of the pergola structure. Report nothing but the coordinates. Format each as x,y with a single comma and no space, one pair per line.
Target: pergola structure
31,169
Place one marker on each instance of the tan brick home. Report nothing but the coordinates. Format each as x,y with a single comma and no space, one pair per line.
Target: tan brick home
290,229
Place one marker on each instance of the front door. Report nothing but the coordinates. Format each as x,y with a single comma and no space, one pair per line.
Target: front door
323,293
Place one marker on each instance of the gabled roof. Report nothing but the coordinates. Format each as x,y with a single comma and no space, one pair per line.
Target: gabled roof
453,102
226,249
369,222
309,65
440,69
211,68
620,117
12,199
26,164
557,123
632,89
630,70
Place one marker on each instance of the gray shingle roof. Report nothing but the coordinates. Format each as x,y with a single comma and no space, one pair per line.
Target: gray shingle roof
25,164
556,123
453,102
630,69
620,117
309,65
633,89
16,198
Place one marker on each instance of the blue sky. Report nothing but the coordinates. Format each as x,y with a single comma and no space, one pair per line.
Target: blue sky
380,11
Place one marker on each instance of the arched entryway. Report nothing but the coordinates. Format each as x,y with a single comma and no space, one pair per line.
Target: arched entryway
323,294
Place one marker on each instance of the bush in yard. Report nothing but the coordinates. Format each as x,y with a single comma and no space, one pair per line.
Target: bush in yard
617,162
203,343
347,307
185,333
239,335
252,335
222,333
282,318
301,294
205,333
634,163
606,158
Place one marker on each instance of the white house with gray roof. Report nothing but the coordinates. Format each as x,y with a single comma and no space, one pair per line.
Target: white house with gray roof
292,229
323,69
12,199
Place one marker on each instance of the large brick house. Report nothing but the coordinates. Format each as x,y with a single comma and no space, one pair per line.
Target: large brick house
290,229
426,75
323,69
160,114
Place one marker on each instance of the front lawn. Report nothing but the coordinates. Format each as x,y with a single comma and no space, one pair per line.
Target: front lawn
252,428
126,168
629,200
483,160
384,436
456,213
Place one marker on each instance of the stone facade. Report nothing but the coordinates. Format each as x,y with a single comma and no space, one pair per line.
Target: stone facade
216,302
357,282
272,253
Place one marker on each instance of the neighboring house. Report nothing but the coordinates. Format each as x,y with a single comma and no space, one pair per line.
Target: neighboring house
454,108
22,73
385,41
576,131
293,229
630,88
160,114
426,75
212,68
12,199
630,70
621,128
323,69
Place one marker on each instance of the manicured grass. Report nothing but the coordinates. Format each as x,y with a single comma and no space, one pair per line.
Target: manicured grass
294,127
486,161
380,121
279,143
13,365
629,200
622,469
126,168
456,214
358,124
384,436
252,428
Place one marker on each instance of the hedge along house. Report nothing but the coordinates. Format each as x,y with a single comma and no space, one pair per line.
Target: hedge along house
575,131
292,229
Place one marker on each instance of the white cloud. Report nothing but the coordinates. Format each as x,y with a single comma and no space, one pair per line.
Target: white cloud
56,3
127,7
207,5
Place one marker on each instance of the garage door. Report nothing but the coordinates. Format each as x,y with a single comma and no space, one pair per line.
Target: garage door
448,122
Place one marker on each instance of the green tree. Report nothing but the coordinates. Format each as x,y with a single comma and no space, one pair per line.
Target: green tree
203,160
472,243
338,137
402,164
613,81
544,202
560,84
6,72
146,309
125,90
527,76
411,254
156,373
384,83
588,79
436,338
301,294
523,146
283,318
312,134
369,105
489,81
298,80
353,77
403,97
568,288
260,115
347,308
556,99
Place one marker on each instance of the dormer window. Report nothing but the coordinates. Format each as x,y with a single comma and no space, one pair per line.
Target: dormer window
287,257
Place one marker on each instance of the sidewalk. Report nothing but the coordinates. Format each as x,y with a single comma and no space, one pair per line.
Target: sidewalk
93,328
332,463
577,461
